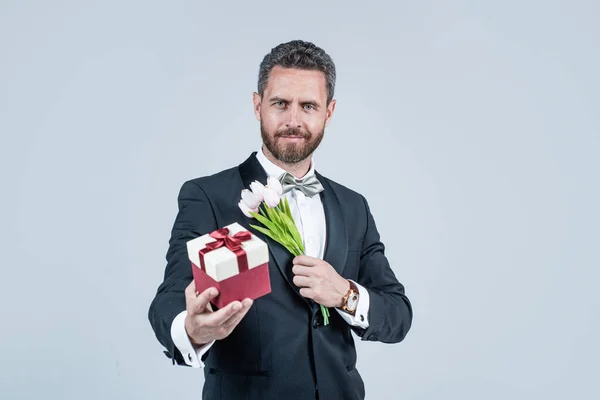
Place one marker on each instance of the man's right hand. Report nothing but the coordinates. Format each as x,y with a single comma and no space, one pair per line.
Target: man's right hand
202,324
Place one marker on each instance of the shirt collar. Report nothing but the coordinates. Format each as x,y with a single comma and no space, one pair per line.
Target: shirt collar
275,170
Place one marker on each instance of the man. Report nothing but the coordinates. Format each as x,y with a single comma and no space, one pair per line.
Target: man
277,346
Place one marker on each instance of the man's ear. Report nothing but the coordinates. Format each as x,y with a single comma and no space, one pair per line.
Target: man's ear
330,110
257,101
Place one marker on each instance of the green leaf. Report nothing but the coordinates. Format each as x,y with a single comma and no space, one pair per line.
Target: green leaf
283,205
289,230
288,211
265,221
270,213
290,246
293,229
262,211
283,229
276,218
265,231
280,206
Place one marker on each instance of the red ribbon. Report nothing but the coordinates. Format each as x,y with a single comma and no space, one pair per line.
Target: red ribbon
233,243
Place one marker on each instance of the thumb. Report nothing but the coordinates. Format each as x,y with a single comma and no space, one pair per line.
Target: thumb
201,302
196,303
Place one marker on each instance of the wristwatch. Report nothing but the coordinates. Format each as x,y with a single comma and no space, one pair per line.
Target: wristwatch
350,300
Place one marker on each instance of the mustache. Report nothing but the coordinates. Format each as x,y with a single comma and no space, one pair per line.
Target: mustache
293,132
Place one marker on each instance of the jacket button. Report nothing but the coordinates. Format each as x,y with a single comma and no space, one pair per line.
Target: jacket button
316,323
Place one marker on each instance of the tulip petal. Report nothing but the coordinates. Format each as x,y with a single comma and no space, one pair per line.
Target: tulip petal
273,183
245,209
258,189
271,197
251,199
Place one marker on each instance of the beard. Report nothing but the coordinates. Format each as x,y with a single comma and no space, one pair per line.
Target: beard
291,153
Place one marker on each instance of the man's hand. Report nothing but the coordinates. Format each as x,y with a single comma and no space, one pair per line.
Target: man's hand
319,281
202,324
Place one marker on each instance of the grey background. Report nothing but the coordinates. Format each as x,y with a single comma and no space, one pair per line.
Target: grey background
471,127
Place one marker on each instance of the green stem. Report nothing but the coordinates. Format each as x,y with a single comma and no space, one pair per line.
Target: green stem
325,313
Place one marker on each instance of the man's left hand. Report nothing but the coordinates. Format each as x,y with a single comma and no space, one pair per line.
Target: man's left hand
319,281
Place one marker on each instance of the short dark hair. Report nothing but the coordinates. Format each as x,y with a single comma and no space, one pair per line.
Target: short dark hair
301,55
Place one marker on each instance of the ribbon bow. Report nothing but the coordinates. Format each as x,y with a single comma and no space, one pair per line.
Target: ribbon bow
222,237
233,243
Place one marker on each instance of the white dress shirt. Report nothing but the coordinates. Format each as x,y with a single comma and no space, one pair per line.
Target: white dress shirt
309,217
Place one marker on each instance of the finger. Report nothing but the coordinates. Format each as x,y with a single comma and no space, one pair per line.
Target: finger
302,270
190,290
302,281
204,298
235,319
200,302
307,292
190,295
306,260
218,317
246,304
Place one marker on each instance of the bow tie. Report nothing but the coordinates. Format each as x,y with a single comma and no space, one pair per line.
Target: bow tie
309,185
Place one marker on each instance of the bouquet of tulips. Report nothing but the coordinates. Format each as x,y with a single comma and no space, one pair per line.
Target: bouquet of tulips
276,217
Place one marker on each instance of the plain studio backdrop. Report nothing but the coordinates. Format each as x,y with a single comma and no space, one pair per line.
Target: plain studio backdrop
472,128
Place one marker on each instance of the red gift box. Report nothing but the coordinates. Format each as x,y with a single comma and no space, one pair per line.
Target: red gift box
234,261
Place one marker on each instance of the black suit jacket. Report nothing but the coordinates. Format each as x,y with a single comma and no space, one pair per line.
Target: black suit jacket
281,349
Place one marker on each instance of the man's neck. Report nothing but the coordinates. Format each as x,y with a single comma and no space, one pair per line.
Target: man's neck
298,170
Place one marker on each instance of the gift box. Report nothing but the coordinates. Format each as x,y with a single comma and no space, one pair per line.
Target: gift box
234,261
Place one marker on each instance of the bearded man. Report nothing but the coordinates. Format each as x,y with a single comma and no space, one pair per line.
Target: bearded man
277,346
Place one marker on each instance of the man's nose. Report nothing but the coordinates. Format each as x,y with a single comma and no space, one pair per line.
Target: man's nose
293,118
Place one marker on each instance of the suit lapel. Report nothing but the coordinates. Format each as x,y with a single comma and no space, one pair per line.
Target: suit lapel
336,246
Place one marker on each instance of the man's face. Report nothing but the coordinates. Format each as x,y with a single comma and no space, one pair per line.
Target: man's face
293,113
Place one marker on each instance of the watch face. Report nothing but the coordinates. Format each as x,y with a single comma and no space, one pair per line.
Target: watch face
353,302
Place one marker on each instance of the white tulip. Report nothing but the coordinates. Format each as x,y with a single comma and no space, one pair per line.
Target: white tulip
273,183
271,197
258,189
251,199
245,209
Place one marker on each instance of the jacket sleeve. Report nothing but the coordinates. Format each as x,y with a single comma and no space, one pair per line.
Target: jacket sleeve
390,311
195,217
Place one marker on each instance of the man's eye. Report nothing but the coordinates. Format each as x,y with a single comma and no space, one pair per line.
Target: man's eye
309,107
279,104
